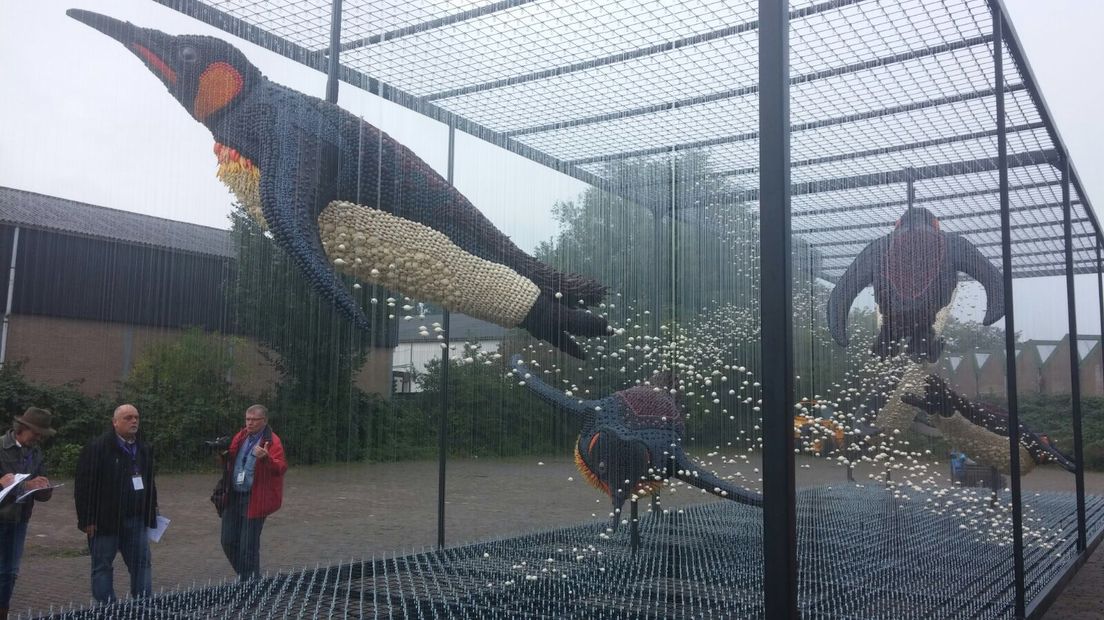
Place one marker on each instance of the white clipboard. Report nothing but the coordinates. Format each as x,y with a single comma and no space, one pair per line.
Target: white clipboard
18,478
155,533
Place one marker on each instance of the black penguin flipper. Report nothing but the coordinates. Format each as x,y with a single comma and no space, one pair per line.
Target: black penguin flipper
549,394
859,275
556,323
696,476
296,184
940,399
968,259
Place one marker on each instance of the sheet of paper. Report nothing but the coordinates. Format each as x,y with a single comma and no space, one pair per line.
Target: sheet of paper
155,533
20,499
18,478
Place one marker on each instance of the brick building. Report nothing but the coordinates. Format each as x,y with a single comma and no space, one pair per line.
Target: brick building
964,374
1029,364
1042,367
88,289
1056,369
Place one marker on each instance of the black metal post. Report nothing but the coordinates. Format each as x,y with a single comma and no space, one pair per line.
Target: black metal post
332,70
672,332
1009,318
910,187
634,525
334,65
442,425
1100,297
775,285
9,298
1075,358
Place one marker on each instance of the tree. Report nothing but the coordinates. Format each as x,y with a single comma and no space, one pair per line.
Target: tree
317,350
488,413
182,389
961,337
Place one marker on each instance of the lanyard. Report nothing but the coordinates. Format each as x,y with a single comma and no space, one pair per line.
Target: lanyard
250,443
132,451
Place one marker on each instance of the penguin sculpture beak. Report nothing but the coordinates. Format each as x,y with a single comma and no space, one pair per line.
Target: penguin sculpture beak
114,28
150,45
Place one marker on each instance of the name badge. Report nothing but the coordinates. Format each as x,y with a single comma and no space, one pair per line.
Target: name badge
241,477
137,482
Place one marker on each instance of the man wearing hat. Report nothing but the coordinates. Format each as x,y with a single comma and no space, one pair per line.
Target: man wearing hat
19,454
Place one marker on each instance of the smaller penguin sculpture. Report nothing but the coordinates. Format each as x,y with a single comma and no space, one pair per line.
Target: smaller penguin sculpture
939,399
914,270
631,442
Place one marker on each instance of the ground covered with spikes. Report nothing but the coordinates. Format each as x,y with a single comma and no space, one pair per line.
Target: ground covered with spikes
863,554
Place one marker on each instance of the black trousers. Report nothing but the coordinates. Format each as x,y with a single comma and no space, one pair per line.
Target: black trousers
241,536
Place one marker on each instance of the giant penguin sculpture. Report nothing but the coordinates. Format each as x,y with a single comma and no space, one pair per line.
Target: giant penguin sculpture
631,442
335,191
914,270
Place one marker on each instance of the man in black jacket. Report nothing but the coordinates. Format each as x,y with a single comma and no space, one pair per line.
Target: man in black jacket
116,503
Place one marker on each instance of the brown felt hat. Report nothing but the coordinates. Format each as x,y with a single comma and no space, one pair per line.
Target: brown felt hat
38,420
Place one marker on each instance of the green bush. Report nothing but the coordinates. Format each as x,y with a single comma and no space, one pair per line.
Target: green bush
182,389
490,415
76,417
403,429
1053,415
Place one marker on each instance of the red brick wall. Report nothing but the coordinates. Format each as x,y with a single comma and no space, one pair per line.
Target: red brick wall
58,351
991,379
965,377
1056,370
1028,375
375,374
94,354
1092,381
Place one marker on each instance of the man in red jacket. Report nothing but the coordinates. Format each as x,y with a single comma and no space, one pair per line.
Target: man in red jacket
255,468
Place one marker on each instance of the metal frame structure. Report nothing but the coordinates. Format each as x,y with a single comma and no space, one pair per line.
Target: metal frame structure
776,282
959,160
966,132
1018,571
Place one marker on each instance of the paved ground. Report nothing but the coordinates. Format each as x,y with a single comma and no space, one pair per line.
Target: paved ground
336,513
1083,598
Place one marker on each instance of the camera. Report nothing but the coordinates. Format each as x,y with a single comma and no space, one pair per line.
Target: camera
218,444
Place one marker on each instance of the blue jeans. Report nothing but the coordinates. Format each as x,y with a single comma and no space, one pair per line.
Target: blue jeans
241,536
132,541
12,537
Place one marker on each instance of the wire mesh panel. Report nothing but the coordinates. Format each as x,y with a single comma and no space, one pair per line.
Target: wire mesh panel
509,286
705,569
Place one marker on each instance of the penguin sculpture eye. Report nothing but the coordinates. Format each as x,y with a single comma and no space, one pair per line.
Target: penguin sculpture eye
188,54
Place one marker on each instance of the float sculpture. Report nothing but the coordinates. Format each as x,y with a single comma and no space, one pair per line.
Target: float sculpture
942,403
914,271
630,442
339,194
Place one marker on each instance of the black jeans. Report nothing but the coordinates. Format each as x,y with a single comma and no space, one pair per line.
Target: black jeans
12,537
241,536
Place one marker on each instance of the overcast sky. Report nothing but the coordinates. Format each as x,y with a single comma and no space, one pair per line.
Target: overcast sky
83,119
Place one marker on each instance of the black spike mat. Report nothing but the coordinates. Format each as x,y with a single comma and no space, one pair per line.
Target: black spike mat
863,554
